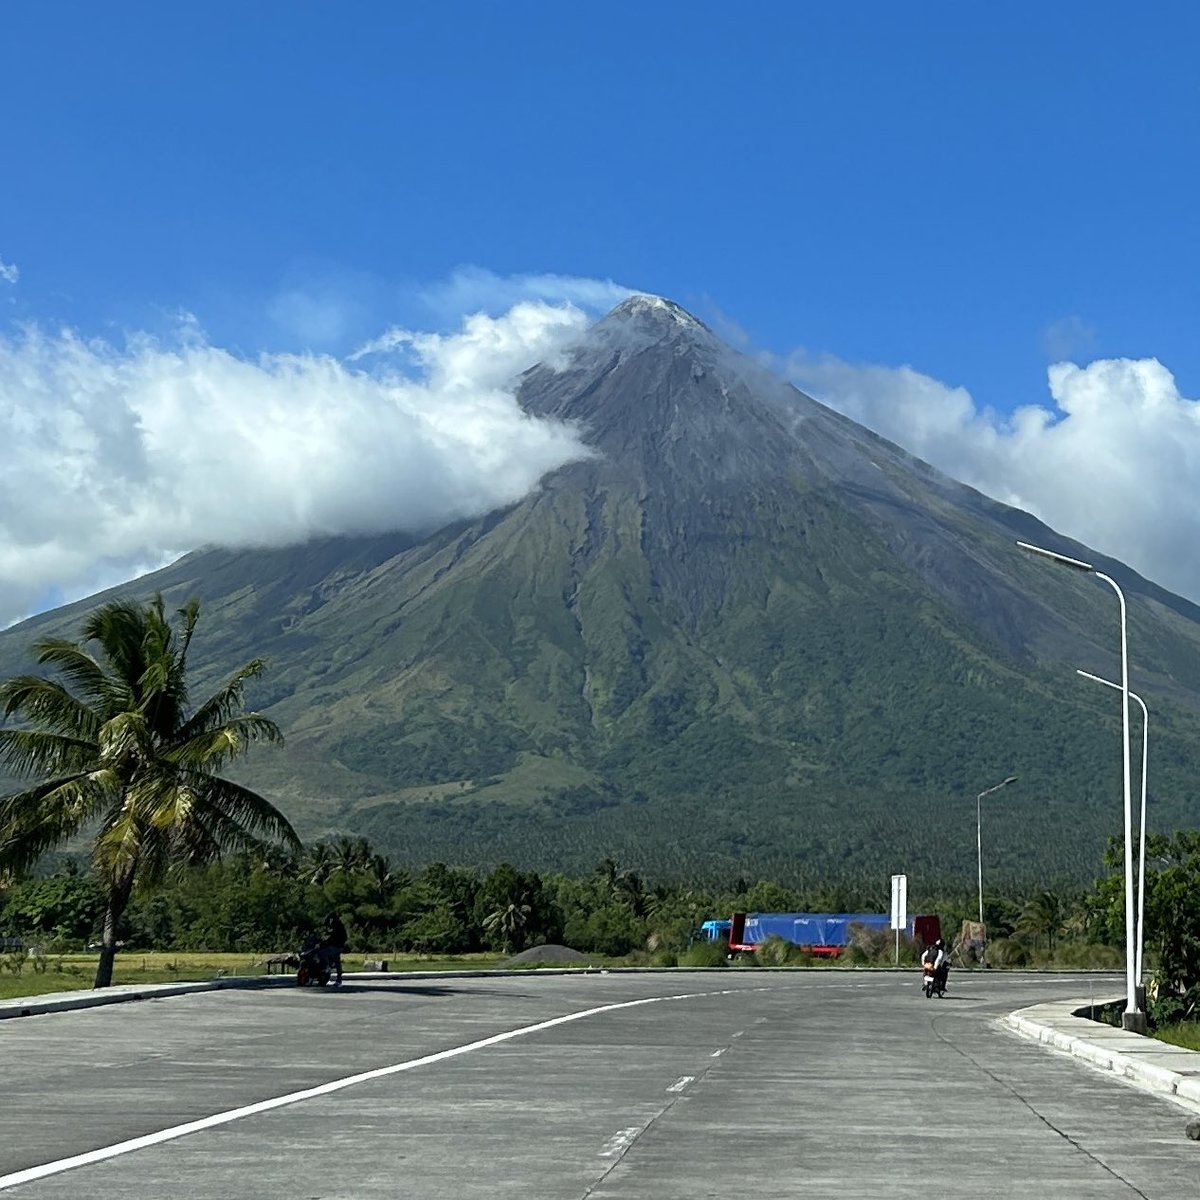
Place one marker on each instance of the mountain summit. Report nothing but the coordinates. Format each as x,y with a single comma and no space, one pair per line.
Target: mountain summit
654,312
650,384
745,635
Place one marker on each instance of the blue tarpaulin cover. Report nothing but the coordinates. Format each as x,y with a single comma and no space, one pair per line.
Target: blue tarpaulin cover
810,929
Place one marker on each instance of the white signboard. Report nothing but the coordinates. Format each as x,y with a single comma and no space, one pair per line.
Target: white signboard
899,902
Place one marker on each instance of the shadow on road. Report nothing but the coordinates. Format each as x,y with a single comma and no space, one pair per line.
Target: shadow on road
401,989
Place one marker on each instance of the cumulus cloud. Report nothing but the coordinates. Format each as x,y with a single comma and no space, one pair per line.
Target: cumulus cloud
1112,460
117,458
9,272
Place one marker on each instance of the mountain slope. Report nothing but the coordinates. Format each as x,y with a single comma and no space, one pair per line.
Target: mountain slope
747,635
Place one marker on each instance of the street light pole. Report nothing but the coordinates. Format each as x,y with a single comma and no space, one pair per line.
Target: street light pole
1141,898
979,838
1134,1019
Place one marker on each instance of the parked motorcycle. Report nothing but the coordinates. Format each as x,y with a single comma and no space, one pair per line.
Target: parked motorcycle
933,981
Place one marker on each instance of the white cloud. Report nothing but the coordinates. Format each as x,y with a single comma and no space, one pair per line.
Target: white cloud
485,351
1068,338
116,458
475,289
9,272
314,319
1113,461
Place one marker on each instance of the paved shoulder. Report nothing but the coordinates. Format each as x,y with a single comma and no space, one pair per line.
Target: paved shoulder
1157,1066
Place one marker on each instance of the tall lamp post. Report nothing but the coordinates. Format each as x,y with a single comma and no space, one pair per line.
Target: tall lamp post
1141,874
979,839
1133,1019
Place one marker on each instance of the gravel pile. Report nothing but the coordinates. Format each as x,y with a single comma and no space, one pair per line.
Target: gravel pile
557,956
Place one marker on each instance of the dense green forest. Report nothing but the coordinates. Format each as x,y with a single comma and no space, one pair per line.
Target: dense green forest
260,903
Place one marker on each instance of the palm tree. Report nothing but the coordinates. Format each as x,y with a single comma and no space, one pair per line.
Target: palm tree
318,863
1042,915
508,923
351,856
1080,918
279,860
605,874
384,881
122,756
628,887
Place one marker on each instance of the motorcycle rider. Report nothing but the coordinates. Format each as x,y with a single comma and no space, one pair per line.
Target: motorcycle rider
936,957
333,944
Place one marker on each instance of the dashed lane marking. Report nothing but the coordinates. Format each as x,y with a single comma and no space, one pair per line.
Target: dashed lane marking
620,1142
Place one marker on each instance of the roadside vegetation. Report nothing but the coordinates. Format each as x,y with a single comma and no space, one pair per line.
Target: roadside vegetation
1185,1034
1172,926
231,915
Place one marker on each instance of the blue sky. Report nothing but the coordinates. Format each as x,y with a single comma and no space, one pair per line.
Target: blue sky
934,187
974,192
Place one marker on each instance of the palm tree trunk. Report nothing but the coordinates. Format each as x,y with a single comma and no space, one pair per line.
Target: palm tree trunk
118,898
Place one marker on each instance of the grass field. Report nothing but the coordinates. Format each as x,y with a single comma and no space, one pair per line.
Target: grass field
1185,1034
71,972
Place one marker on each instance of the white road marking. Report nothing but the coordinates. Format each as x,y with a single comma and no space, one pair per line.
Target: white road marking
324,1089
620,1142
681,1083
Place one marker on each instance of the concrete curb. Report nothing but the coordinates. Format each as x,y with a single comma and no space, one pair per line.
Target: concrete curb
33,1006
1147,1063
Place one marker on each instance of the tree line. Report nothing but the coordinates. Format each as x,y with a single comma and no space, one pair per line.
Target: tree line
266,901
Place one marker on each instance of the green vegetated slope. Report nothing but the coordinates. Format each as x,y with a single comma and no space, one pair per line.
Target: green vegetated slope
804,727
746,636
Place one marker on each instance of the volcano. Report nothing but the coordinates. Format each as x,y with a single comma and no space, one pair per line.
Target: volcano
743,636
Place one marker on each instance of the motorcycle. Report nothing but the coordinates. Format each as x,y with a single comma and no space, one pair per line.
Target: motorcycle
316,964
933,981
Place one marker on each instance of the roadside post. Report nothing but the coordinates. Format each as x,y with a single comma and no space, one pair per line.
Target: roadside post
899,908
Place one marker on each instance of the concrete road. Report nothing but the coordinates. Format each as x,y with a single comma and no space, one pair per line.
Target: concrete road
696,1084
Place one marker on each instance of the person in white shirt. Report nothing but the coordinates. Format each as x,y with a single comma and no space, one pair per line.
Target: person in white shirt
937,957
